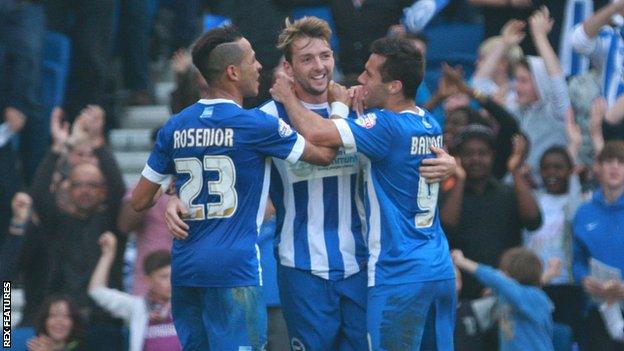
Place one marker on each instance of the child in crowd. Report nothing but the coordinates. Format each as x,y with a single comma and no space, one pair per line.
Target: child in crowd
58,327
149,317
525,322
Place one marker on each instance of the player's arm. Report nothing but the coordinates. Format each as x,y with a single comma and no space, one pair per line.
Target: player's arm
155,175
318,155
315,129
145,194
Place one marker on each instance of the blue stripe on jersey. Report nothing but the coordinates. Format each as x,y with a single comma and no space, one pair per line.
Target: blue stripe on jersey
302,251
330,225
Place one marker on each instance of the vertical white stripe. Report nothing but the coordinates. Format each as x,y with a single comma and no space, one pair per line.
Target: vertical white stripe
319,262
286,246
266,181
346,241
374,234
262,208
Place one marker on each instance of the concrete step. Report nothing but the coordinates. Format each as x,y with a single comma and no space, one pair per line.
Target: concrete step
131,161
162,91
142,117
130,139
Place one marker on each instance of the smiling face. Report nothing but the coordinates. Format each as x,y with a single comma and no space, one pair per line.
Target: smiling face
477,158
555,171
312,65
525,86
59,323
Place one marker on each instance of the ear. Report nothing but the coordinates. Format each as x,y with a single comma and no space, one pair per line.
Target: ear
395,87
288,69
232,73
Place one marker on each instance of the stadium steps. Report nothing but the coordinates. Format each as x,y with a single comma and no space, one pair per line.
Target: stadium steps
131,143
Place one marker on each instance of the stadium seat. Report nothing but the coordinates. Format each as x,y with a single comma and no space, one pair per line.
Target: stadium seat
454,43
213,21
56,61
19,336
562,337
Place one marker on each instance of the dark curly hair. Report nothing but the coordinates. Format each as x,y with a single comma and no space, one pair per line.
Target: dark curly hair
77,332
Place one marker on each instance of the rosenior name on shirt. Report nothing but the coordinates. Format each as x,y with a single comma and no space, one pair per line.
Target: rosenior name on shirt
421,144
203,137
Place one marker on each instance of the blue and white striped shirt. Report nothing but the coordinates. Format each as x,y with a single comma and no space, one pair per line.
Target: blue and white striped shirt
318,222
606,51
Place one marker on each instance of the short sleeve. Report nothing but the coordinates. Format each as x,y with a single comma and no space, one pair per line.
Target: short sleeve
369,134
274,137
159,165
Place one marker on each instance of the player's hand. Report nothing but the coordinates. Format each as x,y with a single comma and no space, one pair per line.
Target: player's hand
21,206
540,21
519,149
513,32
173,217
337,92
357,94
15,118
436,169
282,89
108,244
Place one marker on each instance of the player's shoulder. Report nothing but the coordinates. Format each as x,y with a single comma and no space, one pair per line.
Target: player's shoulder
270,107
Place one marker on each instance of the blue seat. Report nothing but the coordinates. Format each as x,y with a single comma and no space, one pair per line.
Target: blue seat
19,336
56,60
562,337
454,43
213,21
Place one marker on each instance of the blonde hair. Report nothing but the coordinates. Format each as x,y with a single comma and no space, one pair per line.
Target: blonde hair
514,54
310,27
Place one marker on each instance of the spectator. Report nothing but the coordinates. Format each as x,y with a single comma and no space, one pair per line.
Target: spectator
9,179
190,85
58,327
151,232
525,320
597,229
21,54
474,321
552,242
149,315
497,56
495,115
584,90
604,45
72,227
480,215
542,94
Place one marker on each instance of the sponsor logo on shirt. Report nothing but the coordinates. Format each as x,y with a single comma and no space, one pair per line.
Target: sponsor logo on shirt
297,345
207,112
367,121
284,129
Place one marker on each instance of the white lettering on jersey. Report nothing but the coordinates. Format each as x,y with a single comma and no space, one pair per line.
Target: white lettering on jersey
203,137
421,144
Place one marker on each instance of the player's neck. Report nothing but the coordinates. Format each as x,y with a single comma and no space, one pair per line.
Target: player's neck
310,98
400,104
220,93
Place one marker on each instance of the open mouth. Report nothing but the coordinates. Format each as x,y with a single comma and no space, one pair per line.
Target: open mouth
551,181
319,77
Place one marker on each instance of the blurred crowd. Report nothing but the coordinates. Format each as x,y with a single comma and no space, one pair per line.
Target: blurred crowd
536,124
